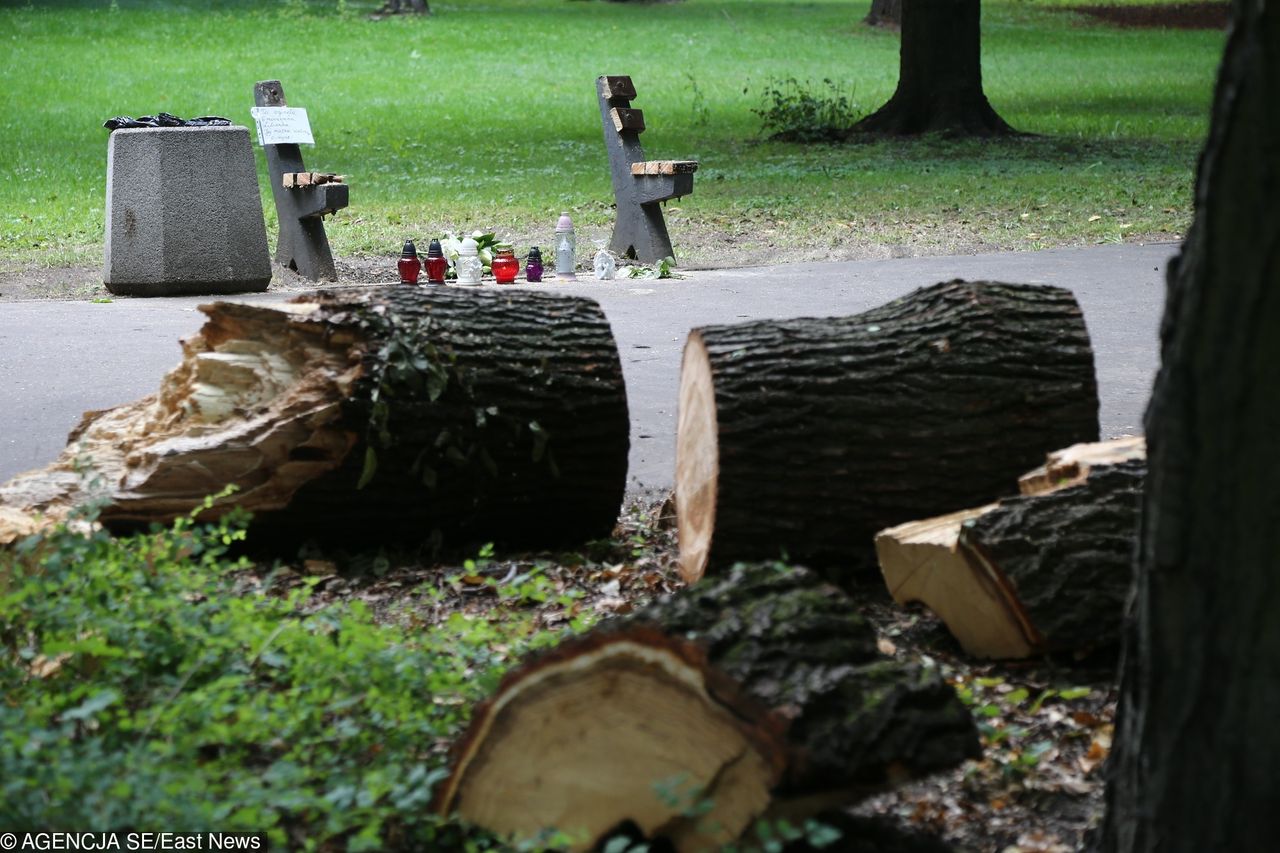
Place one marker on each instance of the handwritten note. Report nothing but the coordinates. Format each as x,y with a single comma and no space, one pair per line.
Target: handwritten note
282,125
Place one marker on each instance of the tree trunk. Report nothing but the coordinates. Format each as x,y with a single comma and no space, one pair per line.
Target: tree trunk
1197,759
1047,571
884,13
940,75
805,437
762,693
397,7
368,417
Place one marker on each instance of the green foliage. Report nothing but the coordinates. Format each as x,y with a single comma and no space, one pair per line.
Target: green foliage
410,368
665,268
144,686
793,112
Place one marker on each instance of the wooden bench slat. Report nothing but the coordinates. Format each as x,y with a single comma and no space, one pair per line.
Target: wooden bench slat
664,167
619,87
625,118
299,180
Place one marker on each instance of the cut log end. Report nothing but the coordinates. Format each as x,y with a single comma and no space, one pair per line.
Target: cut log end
1047,570
922,562
806,436
760,693
573,777
697,460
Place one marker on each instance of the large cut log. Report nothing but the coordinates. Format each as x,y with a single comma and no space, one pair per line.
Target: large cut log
1045,571
805,437
762,693
363,417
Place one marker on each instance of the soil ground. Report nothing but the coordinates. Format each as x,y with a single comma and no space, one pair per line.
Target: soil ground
1181,16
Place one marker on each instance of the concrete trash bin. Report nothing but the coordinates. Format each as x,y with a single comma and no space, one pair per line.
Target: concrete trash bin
184,215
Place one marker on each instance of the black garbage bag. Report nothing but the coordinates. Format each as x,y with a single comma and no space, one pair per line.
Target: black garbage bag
122,121
164,120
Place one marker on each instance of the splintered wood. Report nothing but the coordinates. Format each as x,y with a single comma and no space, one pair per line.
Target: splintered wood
278,402
1070,466
299,180
664,167
255,385
1046,570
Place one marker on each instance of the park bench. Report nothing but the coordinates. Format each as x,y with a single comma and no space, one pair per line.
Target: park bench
639,185
302,199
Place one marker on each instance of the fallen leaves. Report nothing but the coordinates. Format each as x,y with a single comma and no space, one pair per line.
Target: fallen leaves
1046,732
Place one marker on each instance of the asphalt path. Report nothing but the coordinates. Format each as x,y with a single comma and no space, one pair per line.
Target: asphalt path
60,359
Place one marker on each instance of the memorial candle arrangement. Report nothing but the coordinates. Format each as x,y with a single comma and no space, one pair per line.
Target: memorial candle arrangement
409,265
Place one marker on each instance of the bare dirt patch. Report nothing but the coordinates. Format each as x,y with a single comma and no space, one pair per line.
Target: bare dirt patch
1179,16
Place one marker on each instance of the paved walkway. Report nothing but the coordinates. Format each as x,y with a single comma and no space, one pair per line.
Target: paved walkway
59,359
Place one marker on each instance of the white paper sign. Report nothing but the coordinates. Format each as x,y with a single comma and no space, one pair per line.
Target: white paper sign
282,125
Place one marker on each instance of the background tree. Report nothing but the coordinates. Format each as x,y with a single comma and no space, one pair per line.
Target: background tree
398,7
940,75
1197,761
884,13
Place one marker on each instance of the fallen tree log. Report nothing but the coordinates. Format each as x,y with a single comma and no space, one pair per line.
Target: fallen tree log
1046,571
371,416
805,437
763,693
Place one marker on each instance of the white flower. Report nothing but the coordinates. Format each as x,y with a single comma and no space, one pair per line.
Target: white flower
451,246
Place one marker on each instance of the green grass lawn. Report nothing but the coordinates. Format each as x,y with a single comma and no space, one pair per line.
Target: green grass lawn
484,116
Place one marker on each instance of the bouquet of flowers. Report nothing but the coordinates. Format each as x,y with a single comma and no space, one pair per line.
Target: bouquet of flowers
451,245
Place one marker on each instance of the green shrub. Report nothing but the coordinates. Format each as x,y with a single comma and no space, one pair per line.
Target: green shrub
142,687
793,113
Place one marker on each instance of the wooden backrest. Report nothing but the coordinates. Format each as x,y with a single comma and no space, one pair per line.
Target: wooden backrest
617,93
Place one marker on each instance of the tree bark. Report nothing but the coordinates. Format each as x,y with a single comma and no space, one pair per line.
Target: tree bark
369,417
397,7
806,437
940,75
761,693
884,13
1047,571
1197,758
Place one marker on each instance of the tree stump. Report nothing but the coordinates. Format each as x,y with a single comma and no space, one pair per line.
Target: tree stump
805,437
369,416
761,693
1047,571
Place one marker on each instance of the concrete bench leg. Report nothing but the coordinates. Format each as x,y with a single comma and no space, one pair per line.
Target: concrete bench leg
640,232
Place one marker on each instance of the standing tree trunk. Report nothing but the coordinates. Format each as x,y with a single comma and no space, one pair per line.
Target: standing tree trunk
399,7
940,77
1197,760
884,13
